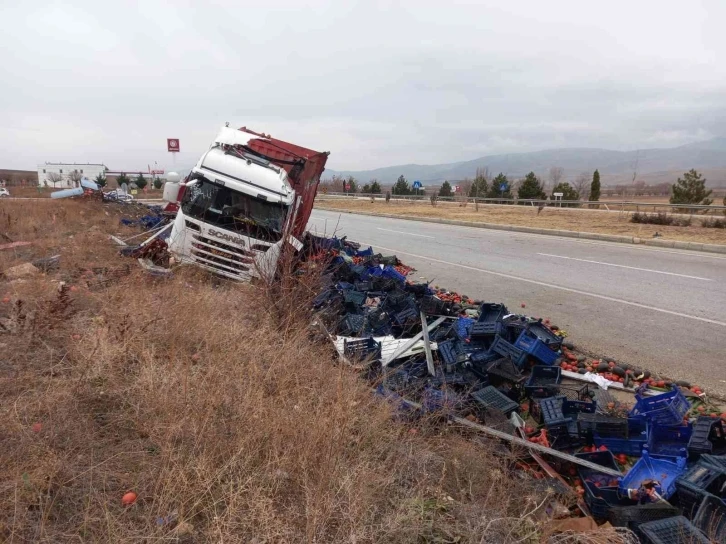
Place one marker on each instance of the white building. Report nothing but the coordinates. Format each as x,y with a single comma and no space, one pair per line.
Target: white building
65,172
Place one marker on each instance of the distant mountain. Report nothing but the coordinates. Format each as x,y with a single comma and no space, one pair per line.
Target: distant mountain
651,165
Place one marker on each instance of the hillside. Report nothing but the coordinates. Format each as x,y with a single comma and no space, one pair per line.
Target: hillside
652,165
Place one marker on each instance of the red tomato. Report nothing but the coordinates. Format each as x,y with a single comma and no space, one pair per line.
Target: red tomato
129,498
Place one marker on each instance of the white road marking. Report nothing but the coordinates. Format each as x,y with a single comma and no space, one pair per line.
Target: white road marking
408,233
623,266
559,287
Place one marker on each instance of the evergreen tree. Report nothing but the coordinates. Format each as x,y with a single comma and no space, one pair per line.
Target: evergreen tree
401,187
691,190
100,180
352,185
568,193
531,188
140,181
480,186
595,187
446,189
500,187
376,187
157,183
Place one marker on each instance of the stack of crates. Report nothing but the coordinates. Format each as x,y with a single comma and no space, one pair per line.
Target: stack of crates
707,438
675,530
711,518
698,482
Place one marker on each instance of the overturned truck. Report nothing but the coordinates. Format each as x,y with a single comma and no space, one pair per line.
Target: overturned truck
248,195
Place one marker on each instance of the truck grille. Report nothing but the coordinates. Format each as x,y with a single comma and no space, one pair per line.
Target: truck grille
224,258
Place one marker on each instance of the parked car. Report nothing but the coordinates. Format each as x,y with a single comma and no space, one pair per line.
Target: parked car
4,192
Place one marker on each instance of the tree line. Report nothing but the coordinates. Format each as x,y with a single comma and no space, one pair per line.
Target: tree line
690,189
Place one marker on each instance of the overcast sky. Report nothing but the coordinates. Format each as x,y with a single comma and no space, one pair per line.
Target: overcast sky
375,83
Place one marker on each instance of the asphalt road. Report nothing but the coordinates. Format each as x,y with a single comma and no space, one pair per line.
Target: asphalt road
661,309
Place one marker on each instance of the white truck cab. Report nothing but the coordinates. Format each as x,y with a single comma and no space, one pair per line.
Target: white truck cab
234,212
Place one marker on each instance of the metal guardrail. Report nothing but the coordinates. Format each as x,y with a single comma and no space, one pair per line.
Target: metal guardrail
619,205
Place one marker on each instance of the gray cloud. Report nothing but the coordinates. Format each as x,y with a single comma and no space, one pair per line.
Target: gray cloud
376,83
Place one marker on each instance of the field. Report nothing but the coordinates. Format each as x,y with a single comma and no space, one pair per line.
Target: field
218,407
549,218
44,192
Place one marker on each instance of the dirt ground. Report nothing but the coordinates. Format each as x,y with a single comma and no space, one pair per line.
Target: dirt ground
548,218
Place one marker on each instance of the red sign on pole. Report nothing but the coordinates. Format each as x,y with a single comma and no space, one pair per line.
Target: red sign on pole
172,145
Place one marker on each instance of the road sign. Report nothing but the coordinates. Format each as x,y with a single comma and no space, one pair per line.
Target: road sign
172,145
558,194
457,189
503,187
416,184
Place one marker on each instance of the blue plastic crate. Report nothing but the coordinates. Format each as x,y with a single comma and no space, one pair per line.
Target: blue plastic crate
364,252
449,351
637,432
532,345
552,412
651,468
668,408
490,397
694,485
546,335
431,305
633,515
363,349
406,318
598,479
711,518
503,369
543,381
671,440
482,331
715,460
505,349
708,437
482,358
675,530
490,317
352,325
601,500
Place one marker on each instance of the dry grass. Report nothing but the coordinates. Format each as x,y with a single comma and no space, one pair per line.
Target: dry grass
549,218
226,417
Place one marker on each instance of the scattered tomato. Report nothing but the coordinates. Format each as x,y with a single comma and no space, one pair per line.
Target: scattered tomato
523,305
6,300
129,498
37,427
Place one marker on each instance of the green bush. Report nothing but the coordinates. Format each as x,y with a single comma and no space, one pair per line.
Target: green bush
660,218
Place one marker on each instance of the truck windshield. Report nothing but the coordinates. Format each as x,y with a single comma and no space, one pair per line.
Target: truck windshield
234,211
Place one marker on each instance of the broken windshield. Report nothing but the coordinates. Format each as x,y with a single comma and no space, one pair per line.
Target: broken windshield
234,211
